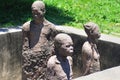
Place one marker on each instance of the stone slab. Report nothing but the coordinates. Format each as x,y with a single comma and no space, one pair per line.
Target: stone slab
108,74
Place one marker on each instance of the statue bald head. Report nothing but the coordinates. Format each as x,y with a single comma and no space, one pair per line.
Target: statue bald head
92,29
63,45
38,4
90,26
61,39
38,9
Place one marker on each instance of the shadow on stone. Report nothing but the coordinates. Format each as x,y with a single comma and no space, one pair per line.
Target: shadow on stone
57,16
3,30
17,12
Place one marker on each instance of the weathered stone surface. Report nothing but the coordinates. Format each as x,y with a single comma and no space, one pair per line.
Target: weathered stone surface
109,74
10,55
10,51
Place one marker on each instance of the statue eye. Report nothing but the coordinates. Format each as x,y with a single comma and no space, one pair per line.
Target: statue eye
42,10
91,31
70,45
67,45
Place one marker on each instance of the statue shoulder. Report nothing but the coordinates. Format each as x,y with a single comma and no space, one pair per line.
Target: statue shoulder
26,26
86,48
86,44
51,61
49,24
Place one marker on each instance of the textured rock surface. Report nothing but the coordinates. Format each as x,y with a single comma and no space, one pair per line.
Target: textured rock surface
11,44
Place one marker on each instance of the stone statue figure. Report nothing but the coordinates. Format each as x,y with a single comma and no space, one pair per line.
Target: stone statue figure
59,66
38,36
90,54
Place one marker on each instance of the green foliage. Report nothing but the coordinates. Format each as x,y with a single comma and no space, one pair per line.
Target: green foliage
14,12
103,12
66,12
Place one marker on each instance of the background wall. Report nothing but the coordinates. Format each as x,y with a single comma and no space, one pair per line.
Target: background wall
10,55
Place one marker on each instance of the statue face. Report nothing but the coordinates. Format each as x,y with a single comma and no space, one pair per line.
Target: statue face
38,10
66,48
94,33
92,30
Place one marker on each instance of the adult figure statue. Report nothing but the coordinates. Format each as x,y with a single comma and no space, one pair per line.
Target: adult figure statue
59,66
38,35
90,54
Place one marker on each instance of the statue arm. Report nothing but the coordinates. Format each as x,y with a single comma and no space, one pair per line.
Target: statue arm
50,71
25,38
53,32
86,60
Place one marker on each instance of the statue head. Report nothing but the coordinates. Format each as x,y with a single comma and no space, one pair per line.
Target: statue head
63,44
38,9
92,30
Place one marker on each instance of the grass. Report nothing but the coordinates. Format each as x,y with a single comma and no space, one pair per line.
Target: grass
71,13
103,12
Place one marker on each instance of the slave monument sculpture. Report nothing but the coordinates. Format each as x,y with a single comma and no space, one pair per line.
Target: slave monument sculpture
90,54
38,35
59,66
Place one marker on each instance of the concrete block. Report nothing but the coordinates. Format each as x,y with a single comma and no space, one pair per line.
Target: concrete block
108,74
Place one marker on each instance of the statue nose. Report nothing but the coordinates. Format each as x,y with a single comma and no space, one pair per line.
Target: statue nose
71,47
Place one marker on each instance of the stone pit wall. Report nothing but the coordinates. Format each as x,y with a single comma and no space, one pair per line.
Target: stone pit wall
107,74
11,48
10,55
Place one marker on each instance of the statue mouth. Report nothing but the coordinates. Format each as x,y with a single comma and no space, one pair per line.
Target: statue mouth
36,15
